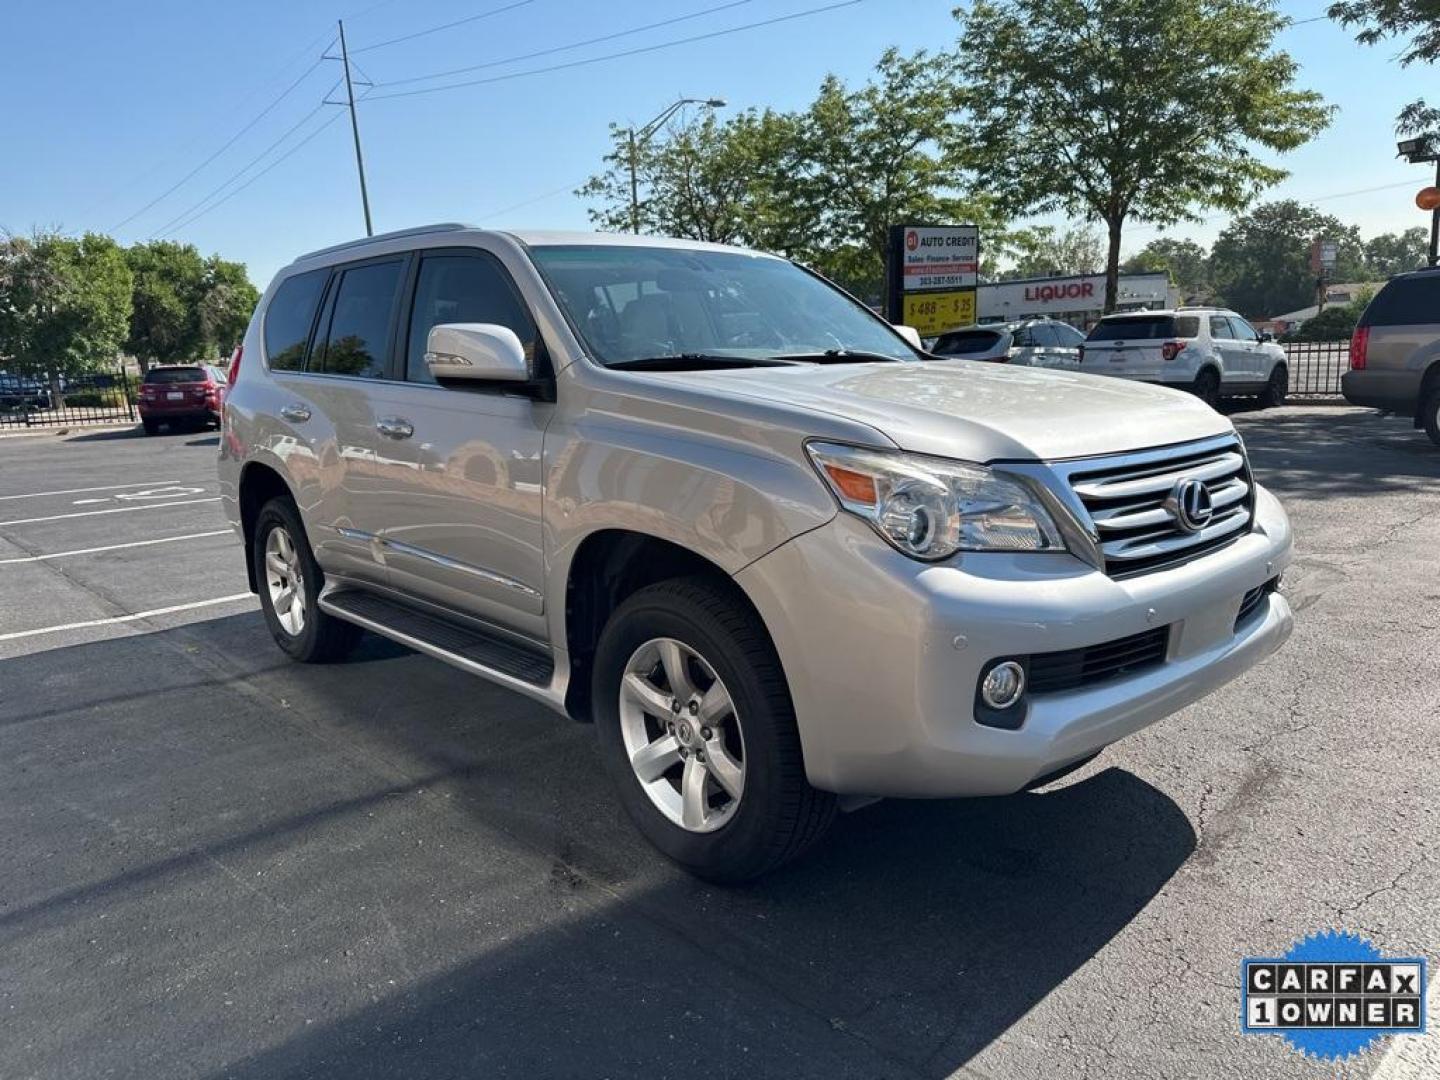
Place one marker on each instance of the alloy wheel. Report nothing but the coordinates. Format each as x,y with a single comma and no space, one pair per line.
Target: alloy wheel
283,581
682,735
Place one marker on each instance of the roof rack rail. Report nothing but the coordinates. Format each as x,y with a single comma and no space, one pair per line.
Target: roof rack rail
418,230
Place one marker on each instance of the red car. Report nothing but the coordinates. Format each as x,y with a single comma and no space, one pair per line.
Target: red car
181,395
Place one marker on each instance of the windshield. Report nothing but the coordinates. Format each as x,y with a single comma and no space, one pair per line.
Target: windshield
965,342
636,303
174,375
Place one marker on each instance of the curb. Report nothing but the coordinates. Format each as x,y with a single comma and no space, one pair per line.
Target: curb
66,429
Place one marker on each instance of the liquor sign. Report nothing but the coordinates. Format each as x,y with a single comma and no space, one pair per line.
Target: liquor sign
932,274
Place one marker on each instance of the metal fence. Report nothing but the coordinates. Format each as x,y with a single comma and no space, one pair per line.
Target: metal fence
1316,367
27,401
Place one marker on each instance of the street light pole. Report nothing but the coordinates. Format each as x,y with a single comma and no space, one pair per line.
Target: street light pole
639,137
1435,223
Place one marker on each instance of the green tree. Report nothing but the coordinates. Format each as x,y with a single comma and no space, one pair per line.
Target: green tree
1261,261
64,305
169,284
227,301
1394,253
1120,110
1187,263
1044,251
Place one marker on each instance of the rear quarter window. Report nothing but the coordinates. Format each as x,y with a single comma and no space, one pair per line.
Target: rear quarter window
1405,302
289,317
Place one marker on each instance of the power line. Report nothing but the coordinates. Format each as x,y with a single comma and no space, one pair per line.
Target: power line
445,26
1313,199
620,55
573,45
283,157
244,168
530,201
228,143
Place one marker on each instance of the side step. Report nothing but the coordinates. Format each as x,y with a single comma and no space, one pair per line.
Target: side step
486,654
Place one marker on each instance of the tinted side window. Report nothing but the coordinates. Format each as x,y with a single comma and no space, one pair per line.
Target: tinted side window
1405,302
1187,326
1220,327
358,342
1242,330
1044,335
463,289
289,317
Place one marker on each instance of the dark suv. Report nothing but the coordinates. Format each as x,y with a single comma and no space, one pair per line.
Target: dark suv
1395,353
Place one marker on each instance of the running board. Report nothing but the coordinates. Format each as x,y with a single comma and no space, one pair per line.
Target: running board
489,655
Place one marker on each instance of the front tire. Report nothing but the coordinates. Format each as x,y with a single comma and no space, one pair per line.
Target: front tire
697,731
1276,388
289,580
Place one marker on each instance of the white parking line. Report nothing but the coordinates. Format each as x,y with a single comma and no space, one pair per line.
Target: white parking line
81,491
16,635
115,547
117,510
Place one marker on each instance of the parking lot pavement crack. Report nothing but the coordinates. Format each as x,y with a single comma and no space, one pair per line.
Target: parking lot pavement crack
1293,726
1380,890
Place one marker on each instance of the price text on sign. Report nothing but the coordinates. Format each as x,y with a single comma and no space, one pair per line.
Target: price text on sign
934,313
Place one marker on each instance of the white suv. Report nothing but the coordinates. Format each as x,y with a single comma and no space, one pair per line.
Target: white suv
1211,351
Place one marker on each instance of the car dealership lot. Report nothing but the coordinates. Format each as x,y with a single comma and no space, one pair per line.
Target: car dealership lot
223,864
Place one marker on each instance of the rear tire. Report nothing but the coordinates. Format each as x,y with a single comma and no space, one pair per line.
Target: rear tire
1207,387
152,427
1276,389
1430,414
718,642
289,580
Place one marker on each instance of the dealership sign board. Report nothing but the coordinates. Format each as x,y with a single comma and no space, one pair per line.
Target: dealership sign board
932,276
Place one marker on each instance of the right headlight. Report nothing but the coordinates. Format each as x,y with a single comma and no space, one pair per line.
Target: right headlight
930,508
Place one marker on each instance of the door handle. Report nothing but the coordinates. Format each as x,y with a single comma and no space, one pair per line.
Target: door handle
295,413
394,427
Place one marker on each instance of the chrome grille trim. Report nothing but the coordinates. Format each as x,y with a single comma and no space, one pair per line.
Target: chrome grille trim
1122,499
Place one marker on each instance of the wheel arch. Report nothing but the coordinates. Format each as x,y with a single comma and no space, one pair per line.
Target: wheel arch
1429,384
259,483
608,566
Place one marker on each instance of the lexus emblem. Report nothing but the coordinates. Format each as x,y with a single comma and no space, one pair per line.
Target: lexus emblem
1191,505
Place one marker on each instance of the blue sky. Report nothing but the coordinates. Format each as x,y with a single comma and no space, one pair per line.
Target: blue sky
108,105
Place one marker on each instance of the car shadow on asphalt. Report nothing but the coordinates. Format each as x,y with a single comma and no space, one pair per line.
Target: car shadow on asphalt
916,935
1341,451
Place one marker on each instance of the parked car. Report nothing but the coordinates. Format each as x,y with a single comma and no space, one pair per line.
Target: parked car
22,392
703,498
181,394
1395,351
1047,343
1211,351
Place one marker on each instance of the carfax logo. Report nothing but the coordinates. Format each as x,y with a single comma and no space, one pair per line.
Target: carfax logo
1332,995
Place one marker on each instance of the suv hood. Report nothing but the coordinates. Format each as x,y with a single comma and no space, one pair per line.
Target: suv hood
979,411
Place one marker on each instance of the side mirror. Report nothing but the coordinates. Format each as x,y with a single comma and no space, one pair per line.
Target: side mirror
475,352
910,334
1267,336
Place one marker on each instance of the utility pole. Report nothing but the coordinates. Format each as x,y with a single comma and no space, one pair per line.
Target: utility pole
1435,222
355,130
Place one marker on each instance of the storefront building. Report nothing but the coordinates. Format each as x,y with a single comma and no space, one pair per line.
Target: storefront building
1080,301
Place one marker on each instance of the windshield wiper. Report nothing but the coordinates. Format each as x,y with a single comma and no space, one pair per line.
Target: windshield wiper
695,361
839,356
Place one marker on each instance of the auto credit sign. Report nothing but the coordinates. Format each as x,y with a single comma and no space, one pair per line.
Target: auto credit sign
939,257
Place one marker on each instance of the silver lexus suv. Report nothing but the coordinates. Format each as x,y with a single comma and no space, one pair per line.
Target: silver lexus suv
702,498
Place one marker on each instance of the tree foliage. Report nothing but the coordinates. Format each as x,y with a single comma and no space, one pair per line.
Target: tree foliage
1380,20
1045,251
64,304
1261,261
186,307
1394,253
1187,263
1114,110
822,185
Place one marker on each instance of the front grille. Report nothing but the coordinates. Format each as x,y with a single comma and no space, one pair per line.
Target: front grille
1072,669
1138,533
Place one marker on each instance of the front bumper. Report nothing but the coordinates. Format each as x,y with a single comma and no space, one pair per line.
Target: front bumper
882,653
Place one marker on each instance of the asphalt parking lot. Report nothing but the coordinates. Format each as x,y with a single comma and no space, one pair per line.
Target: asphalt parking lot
221,864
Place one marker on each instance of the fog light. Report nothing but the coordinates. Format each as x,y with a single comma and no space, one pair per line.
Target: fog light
1003,685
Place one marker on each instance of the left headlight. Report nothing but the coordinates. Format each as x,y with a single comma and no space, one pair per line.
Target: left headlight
930,508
